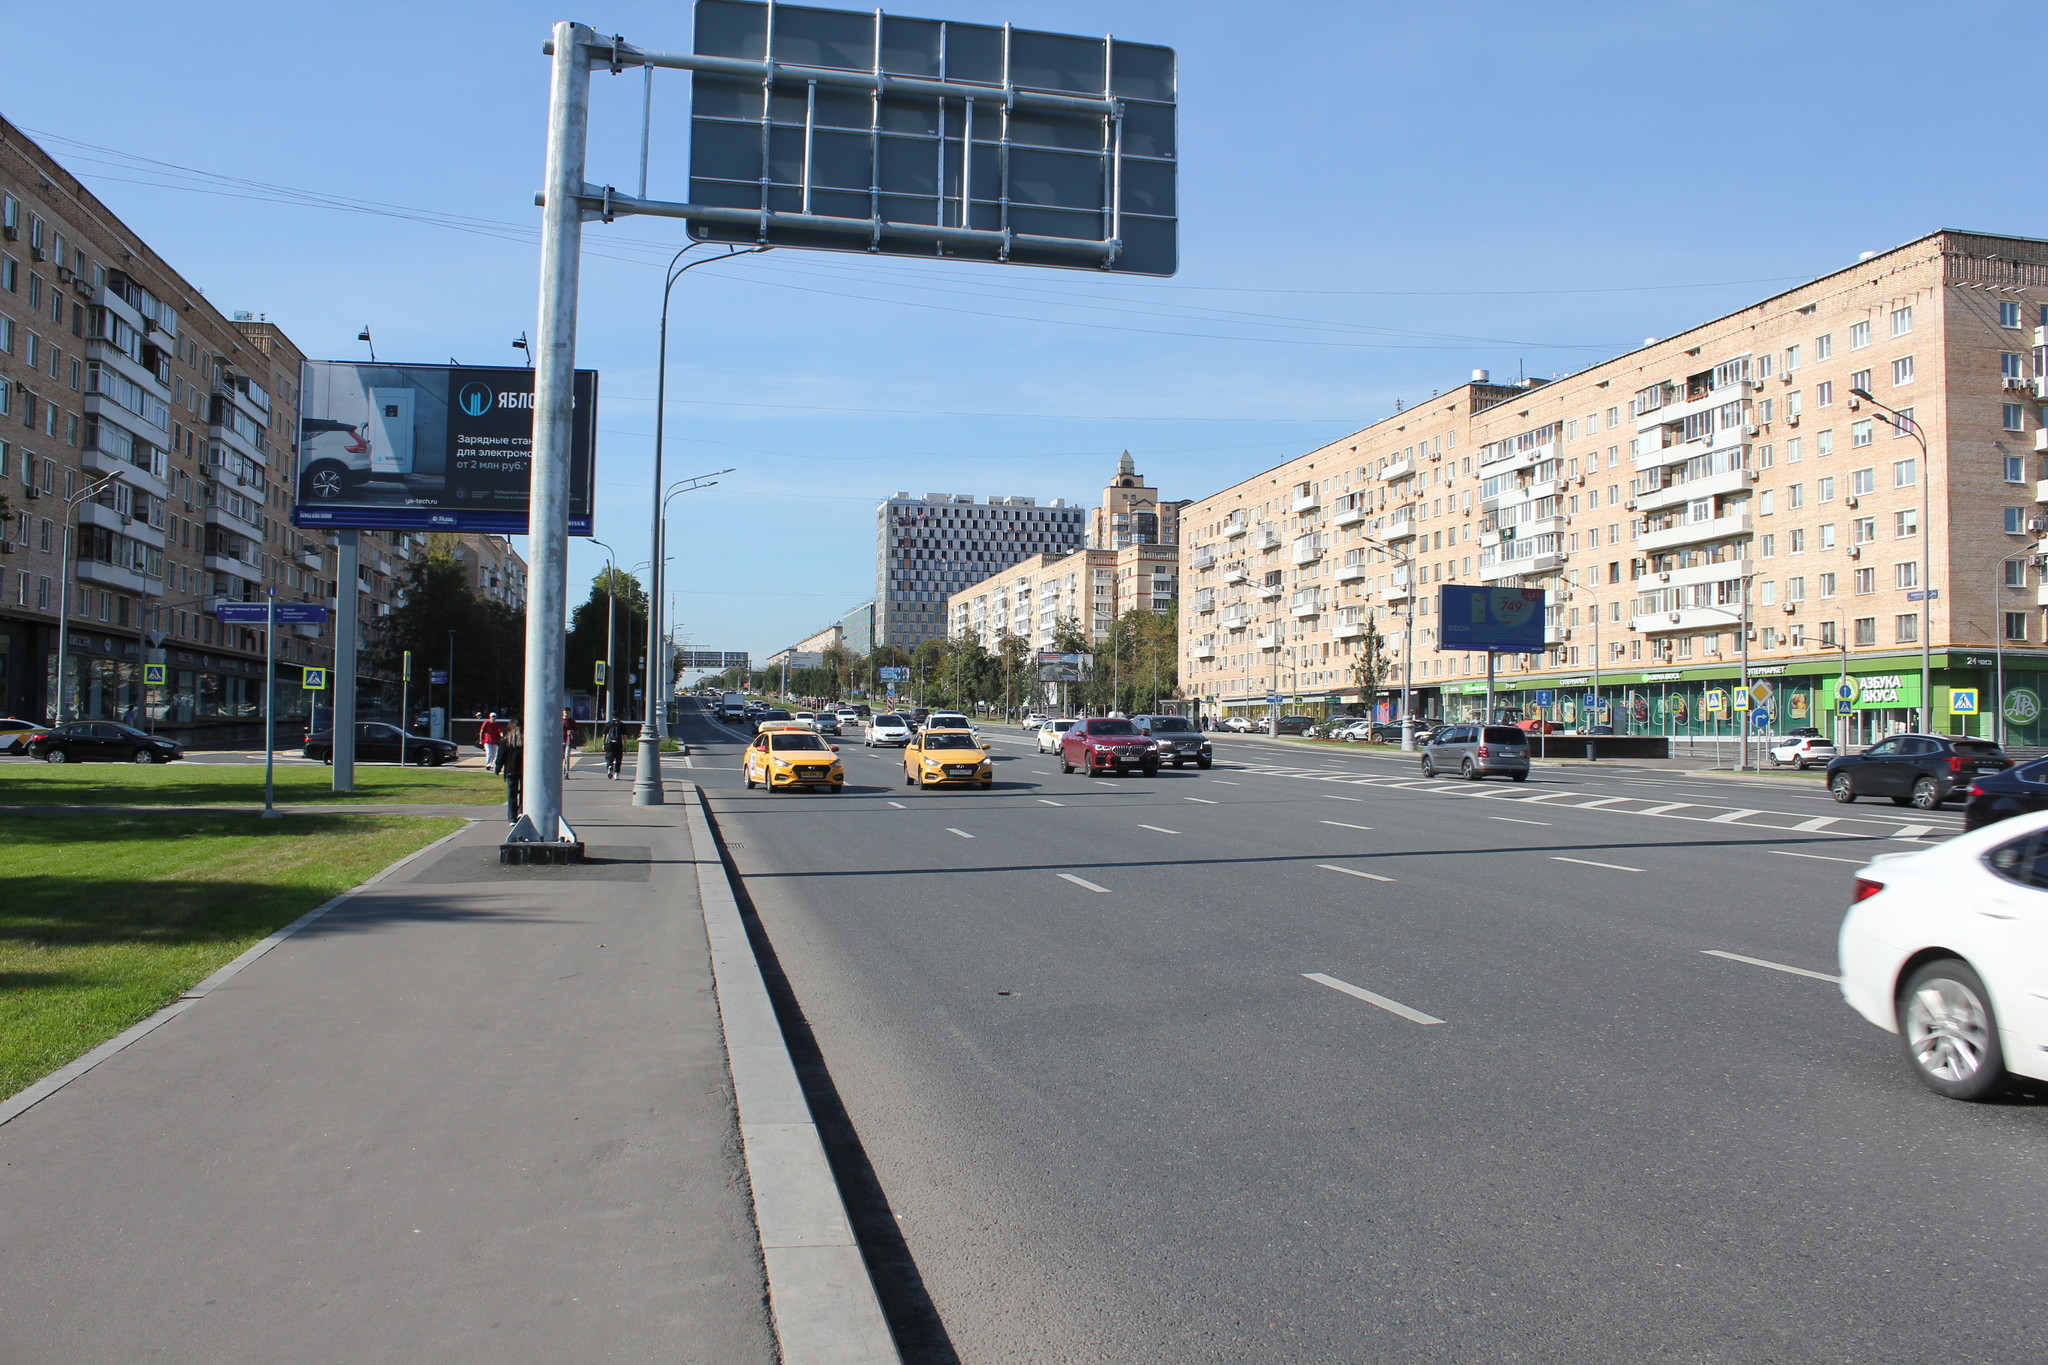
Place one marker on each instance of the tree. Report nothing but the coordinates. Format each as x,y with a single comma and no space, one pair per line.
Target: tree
489,638
622,595
1372,665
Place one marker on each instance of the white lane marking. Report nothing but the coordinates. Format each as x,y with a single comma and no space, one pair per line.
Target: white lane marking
1774,966
1360,993
1201,800
1222,783
1819,857
1659,810
1913,831
1354,872
1817,822
899,805
1509,819
1604,801
1043,802
1156,829
688,762
1729,817
1588,862
961,832
1332,796
1041,772
1545,796
1341,824
1083,883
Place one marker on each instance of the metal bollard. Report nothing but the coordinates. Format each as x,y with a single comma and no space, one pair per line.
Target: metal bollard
1592,751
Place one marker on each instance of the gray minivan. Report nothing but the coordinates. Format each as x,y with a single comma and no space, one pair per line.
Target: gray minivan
1476,751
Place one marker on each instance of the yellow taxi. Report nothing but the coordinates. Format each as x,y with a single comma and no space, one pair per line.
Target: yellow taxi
788,754
938,758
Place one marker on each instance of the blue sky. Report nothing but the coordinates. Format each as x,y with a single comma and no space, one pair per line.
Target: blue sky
1376,198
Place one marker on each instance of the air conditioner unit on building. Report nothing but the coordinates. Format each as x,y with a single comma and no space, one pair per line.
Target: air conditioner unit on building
1850,501
1785,377
2037,525
1855,405
12,234
63,274
32,491
1752,431
1855,552
6,547
1791,419
1791,607
1674,618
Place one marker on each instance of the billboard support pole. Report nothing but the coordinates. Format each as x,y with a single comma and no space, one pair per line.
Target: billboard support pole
1489,686
270,706
347,554
554,422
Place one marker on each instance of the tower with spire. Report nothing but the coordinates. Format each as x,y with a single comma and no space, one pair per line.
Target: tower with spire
1131,513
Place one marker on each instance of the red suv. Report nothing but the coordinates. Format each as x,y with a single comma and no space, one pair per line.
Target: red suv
1116,746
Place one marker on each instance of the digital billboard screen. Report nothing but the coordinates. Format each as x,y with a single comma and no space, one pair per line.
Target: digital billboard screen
428,447
1495,620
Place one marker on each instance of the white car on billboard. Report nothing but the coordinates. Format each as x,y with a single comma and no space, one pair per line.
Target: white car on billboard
335,456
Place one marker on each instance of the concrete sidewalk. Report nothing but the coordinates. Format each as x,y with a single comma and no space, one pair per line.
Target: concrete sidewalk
473,1114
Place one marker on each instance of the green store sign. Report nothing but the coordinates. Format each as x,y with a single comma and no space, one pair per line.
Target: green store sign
1885,691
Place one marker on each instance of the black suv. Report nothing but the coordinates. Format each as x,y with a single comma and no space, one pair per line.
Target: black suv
1297,725
1176,739
1917,770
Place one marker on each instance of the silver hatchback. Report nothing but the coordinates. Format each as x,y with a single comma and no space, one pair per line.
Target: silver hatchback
1476,751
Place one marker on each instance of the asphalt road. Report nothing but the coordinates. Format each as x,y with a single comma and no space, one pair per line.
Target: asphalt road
1303,1058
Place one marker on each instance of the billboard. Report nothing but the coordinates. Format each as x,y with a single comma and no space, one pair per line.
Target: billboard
1054,667
713,660
428,447
1494,620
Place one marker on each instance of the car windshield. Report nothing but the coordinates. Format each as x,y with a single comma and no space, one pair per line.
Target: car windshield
1169,725
1976,748
1504,734
1111,727
888,720
949,740
775,715
780,742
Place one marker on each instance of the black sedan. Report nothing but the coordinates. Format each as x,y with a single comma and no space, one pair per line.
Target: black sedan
377,742
1917,770
1998,796
102,741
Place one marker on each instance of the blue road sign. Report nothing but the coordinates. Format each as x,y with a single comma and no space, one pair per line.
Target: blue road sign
1545,696
437,676
256,613
1272,699
1760,719
1589,701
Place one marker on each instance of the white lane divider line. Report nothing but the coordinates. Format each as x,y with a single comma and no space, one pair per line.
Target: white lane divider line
1041,772
961,832
1511,820
1729,817
1817,822
1201,801
1360,993
1332,796
1043,802
1913,831
1818,857
1083,883
899,805
1774,966
1659,810
1588,862
1157,829
1605,801
1354,872
1341,824
1223,783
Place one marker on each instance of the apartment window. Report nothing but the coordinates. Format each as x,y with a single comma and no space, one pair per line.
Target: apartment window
1904,473
1796,541
1765,458
1906,575
1793,405
2008,315
1863,530
1863,482
1766,503
1769,547
1824,394
2015,521
2015,625
1613,418
1825,490
1795,496
2009,365
1902,371
1827,536
2015,417
1904,426
1824,442
1770,640
1866,630
1859,336
1902,320
1860,380
1791,358
1823,346
1826,585
1763,412
1906,628
1905,523
1767,594
2015,573
1860,433
2015,469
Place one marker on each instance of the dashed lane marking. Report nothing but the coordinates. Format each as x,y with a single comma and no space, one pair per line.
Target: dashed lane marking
1819,857
1588,862
1774,966
1156,829
1354,872
1360,993
1343,824
899,805
1332,796
1509,819
1817,822
961,832
1043,802
1728,817
1083,883
1201,801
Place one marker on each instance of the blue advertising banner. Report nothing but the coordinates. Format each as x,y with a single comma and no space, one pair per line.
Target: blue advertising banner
1495,620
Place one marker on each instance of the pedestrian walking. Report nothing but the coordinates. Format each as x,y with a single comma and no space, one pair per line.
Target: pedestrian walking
614,748
569,736
491,734
510,752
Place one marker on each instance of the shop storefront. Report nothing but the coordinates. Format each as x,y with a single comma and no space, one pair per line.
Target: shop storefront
203,695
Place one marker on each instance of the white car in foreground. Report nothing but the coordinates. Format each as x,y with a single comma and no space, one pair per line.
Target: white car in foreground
1949,949
1050,734
887,728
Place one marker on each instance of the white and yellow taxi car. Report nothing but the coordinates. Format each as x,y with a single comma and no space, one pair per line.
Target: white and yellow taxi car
939,758
786,754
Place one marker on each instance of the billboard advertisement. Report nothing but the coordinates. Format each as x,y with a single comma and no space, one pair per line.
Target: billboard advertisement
428,447
1055,667
1494,620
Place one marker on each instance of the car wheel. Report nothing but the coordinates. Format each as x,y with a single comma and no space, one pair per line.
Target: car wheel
1202,762
1428,768
1950,1032
1519,777
1902,800
56,756
988,785
1065,766
1152,769
1926,796
143,757
908,780
1841,788
1467,771
326,480
750,784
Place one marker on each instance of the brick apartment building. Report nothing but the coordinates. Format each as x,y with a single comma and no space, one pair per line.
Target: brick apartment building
1659,496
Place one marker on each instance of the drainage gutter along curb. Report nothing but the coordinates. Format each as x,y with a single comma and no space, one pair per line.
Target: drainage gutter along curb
824,1304
23,1100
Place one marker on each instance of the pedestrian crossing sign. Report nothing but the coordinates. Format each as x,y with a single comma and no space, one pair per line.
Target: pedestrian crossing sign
600,672
314,680
1714,702
152,675
1962,701
1742,699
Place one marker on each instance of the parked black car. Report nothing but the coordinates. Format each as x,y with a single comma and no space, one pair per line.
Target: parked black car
1296,725
1917,770
377,742
1176,739
2019,790
102,741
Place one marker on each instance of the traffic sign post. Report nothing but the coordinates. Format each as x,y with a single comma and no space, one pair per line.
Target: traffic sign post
270,706
1962,701
404,704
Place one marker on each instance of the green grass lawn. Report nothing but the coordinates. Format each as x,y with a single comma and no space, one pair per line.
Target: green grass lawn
205,784
108,917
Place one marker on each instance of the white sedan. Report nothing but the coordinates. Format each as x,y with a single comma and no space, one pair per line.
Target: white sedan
887,729
1949,949
1049,735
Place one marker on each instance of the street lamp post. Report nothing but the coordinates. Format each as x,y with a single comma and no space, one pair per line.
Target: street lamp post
84,495
1902,422
1407,563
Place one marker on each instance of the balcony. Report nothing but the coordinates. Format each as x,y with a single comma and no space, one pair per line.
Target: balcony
1400,526
1351,513
1205,648
1237,525
1307,550
1305,498
305,630
1266,538
1236,573
310,558
98,514
1685,619
2041,486
241,526
1304,606
1400,590
1348,630
1397,469
1352,570
1205,600
118,577
1204,558
248,573
1269,592
1732,481
1236,618
1270,638
137,475
1526,564
1694,533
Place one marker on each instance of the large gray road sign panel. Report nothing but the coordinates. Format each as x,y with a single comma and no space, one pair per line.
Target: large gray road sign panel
868,132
